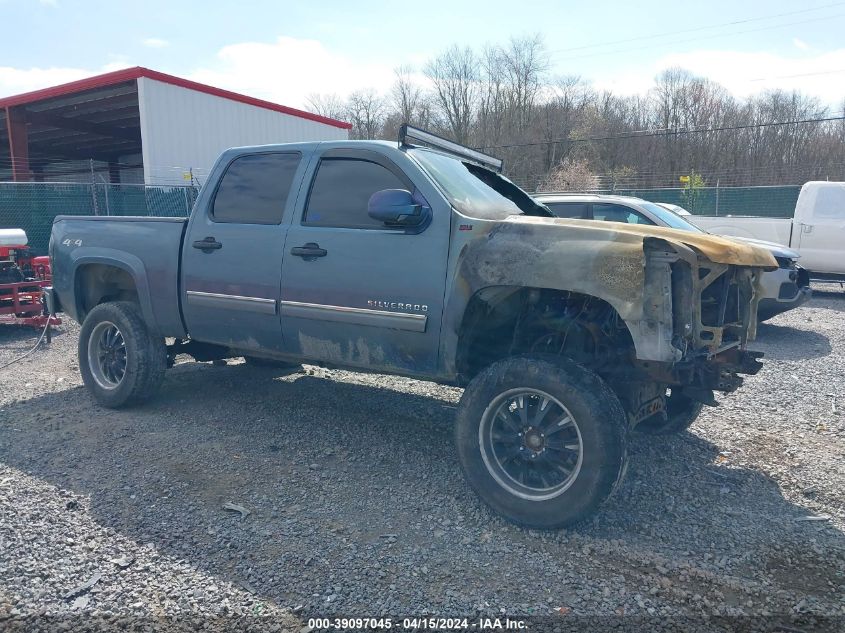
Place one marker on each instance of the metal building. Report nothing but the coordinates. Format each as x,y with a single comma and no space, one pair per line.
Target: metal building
140,126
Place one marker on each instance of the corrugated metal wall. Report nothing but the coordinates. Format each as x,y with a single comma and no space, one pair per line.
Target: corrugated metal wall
183,129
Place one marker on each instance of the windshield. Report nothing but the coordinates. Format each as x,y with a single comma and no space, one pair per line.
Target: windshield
669,218
475,191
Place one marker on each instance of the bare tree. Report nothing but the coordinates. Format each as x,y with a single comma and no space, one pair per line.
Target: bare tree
408,98
558,121
511,80
562,130
455,78
492,102
525,64
367,112
330,105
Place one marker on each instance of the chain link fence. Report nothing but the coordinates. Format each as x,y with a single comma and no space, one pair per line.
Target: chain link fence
768,201
32,206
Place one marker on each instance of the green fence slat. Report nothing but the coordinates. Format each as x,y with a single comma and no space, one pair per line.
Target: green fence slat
772,202
33,206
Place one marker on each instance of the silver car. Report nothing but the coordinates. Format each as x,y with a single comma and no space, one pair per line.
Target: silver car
785,288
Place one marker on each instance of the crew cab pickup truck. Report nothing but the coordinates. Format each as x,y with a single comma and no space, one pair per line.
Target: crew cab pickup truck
420,259
816,230
782,289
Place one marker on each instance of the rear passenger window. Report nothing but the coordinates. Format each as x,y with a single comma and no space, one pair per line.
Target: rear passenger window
568,209
342,190
255,188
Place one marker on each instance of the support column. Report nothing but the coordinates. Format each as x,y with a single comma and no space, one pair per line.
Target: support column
18,144
114,171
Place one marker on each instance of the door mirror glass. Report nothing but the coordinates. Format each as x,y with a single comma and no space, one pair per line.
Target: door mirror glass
396,207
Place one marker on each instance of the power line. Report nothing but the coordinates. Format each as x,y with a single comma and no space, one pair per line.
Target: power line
700,28
822,72
677,132
705,37
649,177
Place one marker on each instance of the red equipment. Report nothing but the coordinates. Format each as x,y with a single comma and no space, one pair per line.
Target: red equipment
22,278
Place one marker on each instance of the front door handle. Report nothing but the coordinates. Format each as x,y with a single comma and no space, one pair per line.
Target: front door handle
309,251
208,244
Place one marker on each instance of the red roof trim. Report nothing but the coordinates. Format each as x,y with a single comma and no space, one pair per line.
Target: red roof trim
129,74
89,83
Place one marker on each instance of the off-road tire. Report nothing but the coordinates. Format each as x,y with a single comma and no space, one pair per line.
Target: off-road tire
146,355
681,412
601,425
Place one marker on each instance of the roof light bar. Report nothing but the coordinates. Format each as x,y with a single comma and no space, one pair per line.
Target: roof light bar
443,144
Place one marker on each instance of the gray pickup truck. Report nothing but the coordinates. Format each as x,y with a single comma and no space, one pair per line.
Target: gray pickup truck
420,259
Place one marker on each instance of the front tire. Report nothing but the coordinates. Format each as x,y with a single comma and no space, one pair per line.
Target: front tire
542,442
120,361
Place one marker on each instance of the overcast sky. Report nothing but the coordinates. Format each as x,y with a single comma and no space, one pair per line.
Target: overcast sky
284,51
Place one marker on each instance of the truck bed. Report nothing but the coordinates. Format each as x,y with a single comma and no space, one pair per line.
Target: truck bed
150,248
770,229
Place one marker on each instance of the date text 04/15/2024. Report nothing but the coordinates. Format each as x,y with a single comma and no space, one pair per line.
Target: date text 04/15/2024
419,623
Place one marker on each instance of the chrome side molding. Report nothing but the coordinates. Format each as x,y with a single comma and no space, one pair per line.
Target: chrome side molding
355,316
231,302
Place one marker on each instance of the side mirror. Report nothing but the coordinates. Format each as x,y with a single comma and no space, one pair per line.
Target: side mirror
395,207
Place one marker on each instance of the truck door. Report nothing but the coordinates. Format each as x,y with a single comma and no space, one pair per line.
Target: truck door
355,292
820,227
232,255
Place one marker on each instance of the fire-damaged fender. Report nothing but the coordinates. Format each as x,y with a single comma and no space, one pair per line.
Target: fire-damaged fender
629,269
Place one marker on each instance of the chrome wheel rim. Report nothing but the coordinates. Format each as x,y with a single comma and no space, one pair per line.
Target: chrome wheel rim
531,444
107,355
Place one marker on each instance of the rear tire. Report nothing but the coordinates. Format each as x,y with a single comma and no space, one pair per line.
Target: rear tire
541,441
120,361
681,412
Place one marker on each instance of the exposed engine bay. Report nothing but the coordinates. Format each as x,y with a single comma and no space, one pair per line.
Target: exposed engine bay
696,311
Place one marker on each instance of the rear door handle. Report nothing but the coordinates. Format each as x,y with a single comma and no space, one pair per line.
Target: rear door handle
309,251
208,244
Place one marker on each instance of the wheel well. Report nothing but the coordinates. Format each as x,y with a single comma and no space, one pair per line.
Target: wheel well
98,283
502,321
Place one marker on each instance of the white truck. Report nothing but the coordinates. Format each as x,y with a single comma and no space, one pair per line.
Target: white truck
816,230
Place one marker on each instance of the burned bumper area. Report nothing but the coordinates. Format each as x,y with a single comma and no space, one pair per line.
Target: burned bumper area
713,316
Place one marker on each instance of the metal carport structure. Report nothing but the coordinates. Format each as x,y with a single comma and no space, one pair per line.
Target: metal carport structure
124,125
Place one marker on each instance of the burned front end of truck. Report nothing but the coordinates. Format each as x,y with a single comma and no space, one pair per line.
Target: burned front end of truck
701,314
663,316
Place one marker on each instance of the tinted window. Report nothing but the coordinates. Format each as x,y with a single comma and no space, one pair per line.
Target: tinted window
342,189
618,213
569,209
254,189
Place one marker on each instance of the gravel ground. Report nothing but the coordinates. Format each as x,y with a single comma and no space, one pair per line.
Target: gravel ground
357,507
